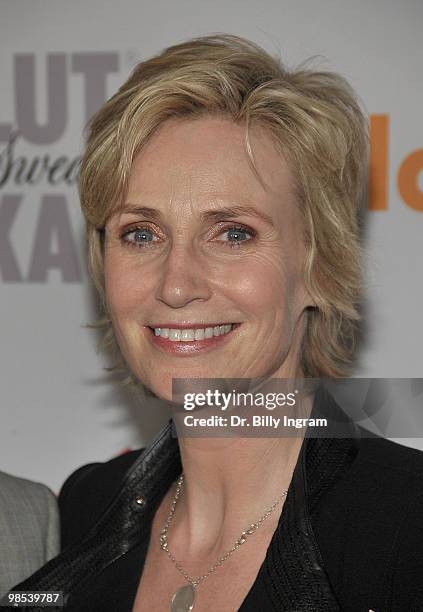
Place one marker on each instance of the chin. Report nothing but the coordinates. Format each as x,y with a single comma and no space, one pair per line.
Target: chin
163,388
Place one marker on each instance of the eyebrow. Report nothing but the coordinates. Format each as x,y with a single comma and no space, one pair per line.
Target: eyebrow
134,209
225,213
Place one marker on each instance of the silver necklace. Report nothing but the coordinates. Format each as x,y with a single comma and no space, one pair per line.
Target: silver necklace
183,598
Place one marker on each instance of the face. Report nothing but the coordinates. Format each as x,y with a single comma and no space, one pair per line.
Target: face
203,265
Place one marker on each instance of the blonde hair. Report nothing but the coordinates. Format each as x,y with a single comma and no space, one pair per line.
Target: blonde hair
323,133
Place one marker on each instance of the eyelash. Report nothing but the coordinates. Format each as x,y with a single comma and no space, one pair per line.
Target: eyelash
229,244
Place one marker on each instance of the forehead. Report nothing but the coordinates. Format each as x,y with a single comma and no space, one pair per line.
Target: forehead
196,161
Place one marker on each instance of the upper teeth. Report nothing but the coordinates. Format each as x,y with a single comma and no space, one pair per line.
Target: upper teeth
188,335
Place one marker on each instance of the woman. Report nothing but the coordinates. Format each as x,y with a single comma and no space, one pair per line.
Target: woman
222,194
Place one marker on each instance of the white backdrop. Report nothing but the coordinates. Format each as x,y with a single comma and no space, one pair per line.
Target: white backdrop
58,62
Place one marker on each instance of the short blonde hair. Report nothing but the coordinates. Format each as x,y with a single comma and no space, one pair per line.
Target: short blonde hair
323,134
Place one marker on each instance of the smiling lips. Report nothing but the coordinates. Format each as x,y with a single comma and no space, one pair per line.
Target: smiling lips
192,334
188,340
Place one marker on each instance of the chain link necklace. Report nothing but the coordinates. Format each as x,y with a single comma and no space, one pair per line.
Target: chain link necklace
183,598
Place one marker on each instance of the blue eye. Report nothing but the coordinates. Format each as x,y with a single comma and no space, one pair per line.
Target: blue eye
234,236
142,235
237,234
138,237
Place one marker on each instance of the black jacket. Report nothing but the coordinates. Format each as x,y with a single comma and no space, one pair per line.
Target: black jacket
350,535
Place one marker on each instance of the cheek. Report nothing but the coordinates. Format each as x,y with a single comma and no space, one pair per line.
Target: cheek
263,286
124,291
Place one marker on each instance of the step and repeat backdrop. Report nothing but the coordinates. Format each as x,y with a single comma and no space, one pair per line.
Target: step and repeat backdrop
59,62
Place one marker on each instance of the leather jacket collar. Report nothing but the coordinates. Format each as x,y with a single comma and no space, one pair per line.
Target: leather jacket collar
293,571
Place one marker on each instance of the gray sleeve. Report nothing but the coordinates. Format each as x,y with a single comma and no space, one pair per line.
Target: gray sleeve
29,529
49,516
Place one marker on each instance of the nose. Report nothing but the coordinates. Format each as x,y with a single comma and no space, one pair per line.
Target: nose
183,278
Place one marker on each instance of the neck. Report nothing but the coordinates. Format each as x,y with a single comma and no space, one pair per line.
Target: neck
230,483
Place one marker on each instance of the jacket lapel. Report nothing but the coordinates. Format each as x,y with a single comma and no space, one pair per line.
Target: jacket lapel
293,572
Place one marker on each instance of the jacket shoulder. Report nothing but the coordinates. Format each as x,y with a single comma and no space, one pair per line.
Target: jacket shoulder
25,503
390,455
384,482
29,528
17,490
376,507
87,493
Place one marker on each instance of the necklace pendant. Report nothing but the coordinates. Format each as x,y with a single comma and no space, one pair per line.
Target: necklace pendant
183,599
